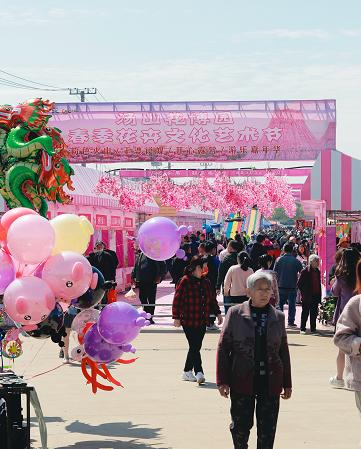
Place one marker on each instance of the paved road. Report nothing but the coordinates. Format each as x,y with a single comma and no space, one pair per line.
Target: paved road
157,410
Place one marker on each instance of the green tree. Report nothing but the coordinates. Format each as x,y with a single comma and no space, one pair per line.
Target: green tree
299,211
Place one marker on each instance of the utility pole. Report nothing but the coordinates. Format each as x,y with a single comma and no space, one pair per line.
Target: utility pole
82,93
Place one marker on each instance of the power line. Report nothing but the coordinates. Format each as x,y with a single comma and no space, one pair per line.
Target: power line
9,83
30,81
102,95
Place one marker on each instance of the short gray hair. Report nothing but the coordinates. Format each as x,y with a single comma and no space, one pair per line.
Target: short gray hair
259,276
312,258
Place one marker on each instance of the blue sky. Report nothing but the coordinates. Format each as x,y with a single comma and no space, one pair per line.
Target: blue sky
191,50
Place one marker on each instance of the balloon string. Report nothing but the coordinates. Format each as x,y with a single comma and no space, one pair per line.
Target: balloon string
45,372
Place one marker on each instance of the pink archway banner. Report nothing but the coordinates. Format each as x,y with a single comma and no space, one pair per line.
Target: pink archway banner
189,173
197,131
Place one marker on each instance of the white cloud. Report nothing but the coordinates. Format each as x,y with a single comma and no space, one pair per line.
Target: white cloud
351,33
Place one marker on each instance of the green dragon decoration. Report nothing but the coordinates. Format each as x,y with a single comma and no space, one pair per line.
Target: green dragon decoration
33,157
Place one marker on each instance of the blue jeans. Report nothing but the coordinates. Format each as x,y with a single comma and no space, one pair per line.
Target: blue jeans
288,295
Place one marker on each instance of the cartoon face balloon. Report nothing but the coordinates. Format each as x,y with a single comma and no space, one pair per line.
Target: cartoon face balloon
28,300
92,296
119,323
98,349
69,275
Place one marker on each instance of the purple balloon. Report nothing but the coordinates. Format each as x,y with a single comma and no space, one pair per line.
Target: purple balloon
159,238
119,323
7,271
98,349
183,230
180,253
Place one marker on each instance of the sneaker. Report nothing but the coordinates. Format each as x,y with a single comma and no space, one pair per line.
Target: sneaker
200,378
214,327
151,321
314,333
61,354
292,325
336,383
189,376
303,332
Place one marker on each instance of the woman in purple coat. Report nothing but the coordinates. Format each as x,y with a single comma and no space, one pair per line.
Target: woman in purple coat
344,290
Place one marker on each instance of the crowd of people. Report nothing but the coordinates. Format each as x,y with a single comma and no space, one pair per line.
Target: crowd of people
258,275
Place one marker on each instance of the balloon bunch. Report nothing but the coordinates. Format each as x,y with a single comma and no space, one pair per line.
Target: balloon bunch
43,273
42,270
103,338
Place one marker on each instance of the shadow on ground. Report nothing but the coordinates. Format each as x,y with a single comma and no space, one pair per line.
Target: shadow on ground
111,444
48,419
116,429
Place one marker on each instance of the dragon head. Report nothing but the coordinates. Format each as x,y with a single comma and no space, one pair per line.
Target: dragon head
32,114
55,176
55,134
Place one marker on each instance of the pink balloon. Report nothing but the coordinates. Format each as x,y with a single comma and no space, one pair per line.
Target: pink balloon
31,239
7,271
68,274
11,215
28,300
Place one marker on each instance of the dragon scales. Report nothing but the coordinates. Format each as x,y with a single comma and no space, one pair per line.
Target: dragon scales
33,157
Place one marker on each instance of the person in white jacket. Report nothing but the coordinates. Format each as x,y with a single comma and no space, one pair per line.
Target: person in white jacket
235,282
348,339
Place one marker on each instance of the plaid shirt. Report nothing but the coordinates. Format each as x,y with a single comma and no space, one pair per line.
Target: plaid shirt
194,300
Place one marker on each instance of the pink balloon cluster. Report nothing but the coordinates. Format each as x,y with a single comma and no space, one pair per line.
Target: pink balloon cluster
222,194
31,279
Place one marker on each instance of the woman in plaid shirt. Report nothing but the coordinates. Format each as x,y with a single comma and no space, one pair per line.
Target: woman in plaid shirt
194,300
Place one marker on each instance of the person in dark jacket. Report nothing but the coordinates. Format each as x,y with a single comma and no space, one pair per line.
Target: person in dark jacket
179,265
212,274
147,274
309,284
258,249
287,268
253,364
229,260
194,244
104,260
194,300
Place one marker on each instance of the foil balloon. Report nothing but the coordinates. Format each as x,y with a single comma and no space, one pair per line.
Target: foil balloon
159,238
119,323
84,317
98,349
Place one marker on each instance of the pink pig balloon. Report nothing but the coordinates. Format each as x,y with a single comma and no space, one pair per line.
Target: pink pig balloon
69,275
28,300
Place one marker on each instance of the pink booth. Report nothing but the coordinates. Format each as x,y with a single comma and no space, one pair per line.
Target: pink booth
332,191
